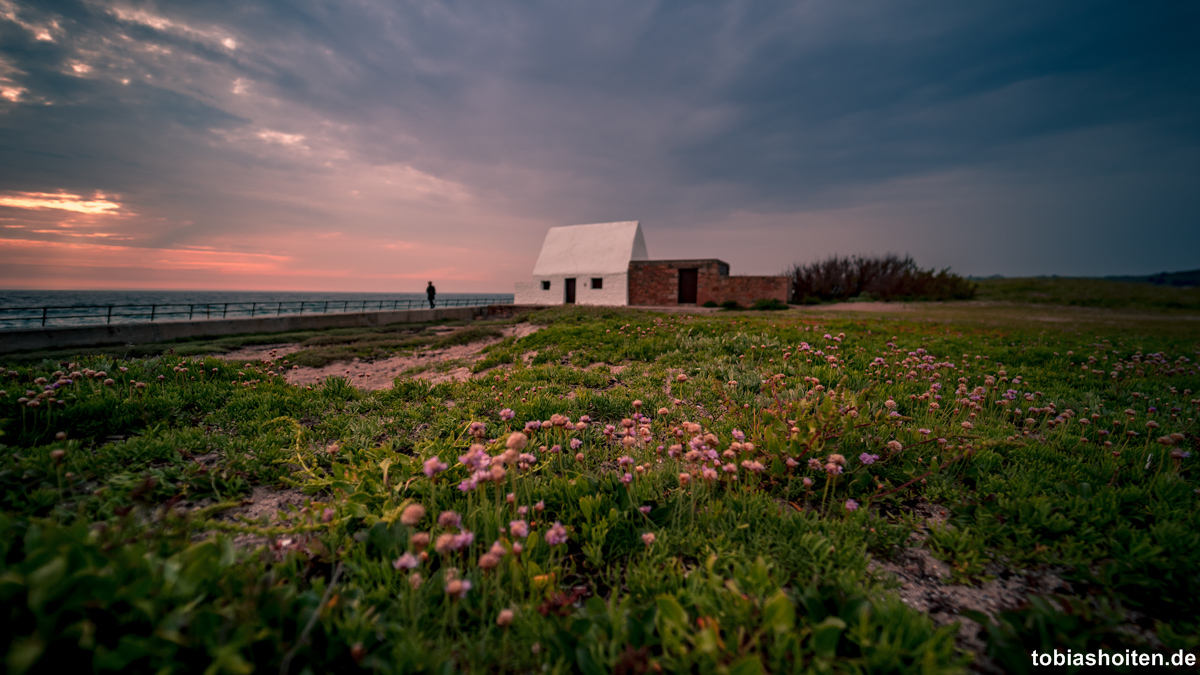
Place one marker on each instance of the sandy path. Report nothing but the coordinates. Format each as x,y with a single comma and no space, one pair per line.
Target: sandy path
381,373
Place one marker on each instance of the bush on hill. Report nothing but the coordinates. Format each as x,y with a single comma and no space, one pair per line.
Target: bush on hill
884,278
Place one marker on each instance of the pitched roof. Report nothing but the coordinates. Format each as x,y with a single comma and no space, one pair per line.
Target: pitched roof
599,248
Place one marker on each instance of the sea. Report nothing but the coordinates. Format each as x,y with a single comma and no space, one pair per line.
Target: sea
33,309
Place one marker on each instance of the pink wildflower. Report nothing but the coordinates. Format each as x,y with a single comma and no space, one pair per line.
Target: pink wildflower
407,561
476,458
412,514
516,441
457,588
519,528
434,466
557,534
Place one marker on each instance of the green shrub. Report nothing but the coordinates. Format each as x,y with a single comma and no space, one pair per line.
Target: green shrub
888,278
770,304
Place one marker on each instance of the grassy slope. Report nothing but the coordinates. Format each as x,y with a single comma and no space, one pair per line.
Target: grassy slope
742,574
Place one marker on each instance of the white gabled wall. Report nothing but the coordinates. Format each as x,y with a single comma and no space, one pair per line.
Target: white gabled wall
615,290
584,252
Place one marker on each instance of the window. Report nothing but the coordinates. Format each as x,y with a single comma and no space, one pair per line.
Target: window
597,282
545,285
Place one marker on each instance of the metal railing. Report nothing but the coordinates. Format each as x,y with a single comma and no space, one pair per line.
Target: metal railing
91,315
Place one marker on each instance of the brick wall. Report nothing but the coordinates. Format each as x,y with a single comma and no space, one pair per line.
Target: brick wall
656,282
745,290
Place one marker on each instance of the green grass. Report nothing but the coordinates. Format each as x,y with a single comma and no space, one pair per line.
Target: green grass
118,549
321,347
1089,293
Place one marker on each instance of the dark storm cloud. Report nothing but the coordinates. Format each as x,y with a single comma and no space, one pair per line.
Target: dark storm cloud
682,114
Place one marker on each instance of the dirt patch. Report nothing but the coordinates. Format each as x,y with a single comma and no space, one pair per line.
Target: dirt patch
614,370
426,365
266,506
260,353
924,586
520,330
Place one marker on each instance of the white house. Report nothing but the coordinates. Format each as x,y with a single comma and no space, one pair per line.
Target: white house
584,264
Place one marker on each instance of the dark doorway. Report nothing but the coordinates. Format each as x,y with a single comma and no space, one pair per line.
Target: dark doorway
687,286
570,292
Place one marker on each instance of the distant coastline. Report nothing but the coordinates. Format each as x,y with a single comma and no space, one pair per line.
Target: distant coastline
1183,279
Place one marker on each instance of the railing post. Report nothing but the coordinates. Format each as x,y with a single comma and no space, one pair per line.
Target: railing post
325,309
279,308
44,309
253,308
109,320
224,310
191,310
153,311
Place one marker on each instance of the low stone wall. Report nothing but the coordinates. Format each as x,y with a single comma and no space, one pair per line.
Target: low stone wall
656,283
145,333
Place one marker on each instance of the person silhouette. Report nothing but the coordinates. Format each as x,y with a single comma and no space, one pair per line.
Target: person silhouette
430,292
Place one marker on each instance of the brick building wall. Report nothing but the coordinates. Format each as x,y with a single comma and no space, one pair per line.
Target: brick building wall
656,282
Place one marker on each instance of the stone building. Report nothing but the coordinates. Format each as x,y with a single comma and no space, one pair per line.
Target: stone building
607,264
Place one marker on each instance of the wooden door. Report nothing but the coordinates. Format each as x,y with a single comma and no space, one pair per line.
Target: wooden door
570,292
687,286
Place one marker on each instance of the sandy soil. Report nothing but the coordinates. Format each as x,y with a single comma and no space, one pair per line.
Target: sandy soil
372,375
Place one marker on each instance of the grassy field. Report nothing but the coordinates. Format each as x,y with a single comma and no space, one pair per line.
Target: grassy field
319,347
621,492
1089,293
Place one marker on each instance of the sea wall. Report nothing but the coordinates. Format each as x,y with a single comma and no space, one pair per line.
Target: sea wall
144,333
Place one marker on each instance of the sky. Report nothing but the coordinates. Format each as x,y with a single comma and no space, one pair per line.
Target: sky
374,145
